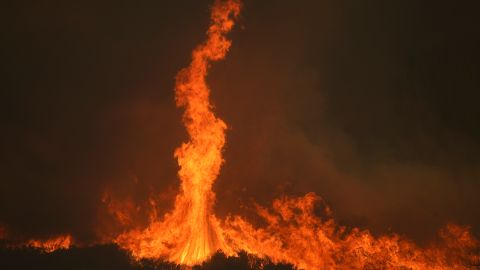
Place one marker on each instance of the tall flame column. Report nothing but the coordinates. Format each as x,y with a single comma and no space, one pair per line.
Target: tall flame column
191,233
200,159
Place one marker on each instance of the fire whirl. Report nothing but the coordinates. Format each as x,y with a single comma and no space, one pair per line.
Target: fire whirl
294,234
191,233
294,231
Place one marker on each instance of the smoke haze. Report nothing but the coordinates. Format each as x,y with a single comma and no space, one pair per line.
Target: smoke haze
371,105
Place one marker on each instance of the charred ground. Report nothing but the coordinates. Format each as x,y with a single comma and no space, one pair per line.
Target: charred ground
106,257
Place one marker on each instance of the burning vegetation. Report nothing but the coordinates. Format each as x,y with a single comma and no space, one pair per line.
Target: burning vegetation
293,232
191,233
52,244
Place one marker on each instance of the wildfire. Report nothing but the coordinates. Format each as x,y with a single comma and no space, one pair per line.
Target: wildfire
50,245
191,233
295,234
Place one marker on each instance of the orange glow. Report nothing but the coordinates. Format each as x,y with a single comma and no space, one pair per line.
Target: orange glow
121,211
294,234
191,233
50,245
299,231
3,232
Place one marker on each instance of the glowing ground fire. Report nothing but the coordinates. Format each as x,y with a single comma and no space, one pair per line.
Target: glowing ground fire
50,245
191,233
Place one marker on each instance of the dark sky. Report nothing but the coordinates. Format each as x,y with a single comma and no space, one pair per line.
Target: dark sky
370,104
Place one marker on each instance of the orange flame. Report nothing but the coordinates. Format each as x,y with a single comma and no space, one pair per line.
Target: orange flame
294,234
50,245
191,233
